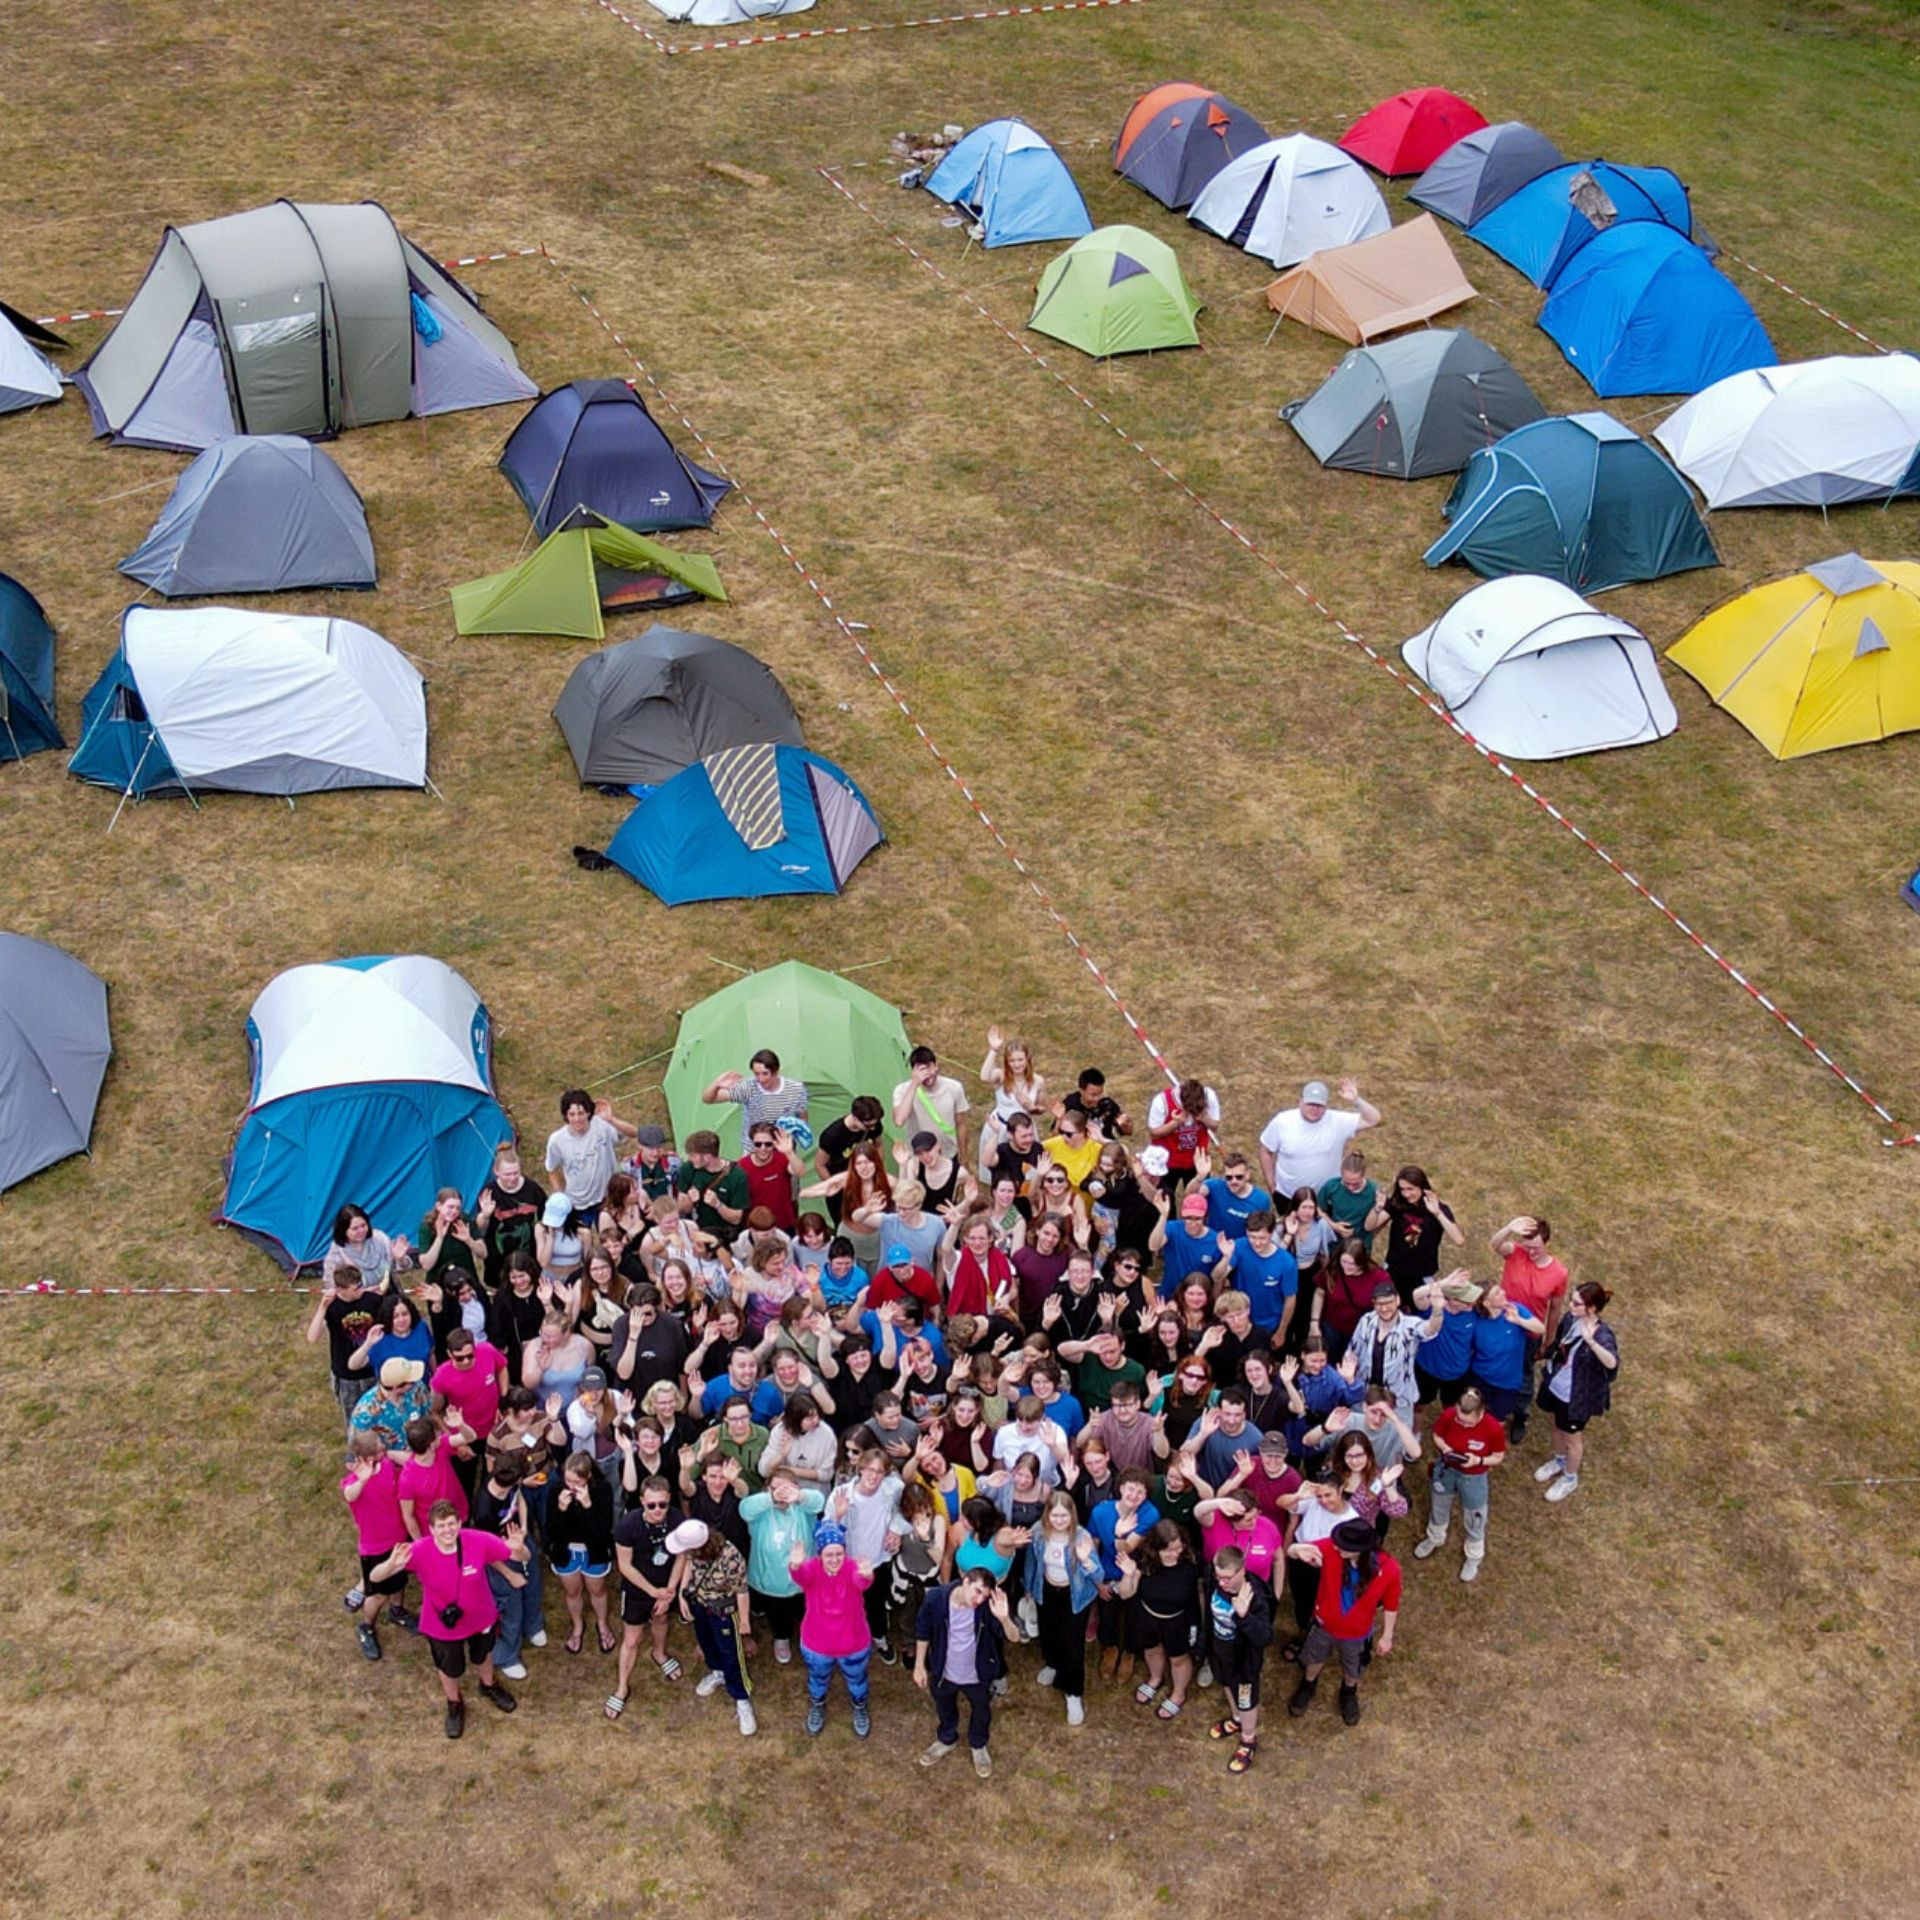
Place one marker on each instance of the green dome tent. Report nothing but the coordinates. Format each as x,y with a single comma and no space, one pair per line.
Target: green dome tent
837,1037
1117,291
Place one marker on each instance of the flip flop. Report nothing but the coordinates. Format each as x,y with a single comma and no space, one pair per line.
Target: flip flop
1170,1709
1146,1693
607,1641
573,1643
1242,1757
669,1667
616,1705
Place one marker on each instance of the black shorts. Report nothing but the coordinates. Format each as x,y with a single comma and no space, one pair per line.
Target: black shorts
1244,1695
393,1583
636,1608
1558,1408
1176,1635
451,1656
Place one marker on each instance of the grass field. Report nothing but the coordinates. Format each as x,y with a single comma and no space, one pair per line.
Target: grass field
1690,1690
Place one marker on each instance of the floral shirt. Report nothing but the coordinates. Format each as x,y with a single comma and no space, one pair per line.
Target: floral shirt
388,1418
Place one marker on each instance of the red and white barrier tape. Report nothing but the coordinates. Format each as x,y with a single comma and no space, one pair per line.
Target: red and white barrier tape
51,1289
863,26
1387,666
854,634
1794,293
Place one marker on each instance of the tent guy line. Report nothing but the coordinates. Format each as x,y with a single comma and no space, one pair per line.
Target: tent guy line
1403,680
854,631
866,26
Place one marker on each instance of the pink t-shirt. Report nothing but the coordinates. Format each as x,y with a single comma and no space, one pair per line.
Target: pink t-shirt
1530,1286
436,1481
835,1622
1262,1543
473,1392
458,1576
376,1514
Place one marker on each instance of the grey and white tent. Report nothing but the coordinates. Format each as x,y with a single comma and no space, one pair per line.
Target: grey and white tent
54,1049
256,514
293,318
27,377
637,712
1484,168
1419,405
726,13
1534,672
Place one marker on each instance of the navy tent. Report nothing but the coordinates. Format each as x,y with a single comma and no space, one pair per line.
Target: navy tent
54,1049
1483,168
1640,309
592,443
1178,137
744,823
26,674
1580,499
1013,183
1542,226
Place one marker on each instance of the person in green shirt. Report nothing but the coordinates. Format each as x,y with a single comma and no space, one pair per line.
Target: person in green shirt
778,1521
1101,1368
711,1187
1349,1198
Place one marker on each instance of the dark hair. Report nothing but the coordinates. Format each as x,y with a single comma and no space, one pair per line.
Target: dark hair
1261,1220
392,1305
575,1097
922,1057
841,1248
518,1400
866,1109
522,1263
1414,1177
442,1510
793,1416
459,1339
1091,1077
1192,1095
705,1141
1132,1477
1385,1290
643,1293
345,1219
509,1469
1542,1231
420,1432
982,1516
1165,1534
767,1058
1590,1293
735,1400
1229,1560
1126,1390
1234,1396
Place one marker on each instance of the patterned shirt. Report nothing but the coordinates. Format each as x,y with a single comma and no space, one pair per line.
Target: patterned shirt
716,1582
760,1104
376,1414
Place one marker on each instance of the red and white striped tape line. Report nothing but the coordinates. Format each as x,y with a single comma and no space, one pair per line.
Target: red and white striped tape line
1794,293
855,636
53,1290
1387,666
83,313
863,26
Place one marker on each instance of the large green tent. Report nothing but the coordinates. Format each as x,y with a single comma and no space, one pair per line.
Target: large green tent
836,1036
563,584
1117,291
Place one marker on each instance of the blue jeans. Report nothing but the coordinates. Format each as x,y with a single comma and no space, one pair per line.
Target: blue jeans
720,1648
519,1608
946,1707
820,1671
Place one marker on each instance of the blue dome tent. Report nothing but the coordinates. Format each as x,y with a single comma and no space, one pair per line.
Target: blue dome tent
1539,228
27,724
1013,183
1640,309
372,1086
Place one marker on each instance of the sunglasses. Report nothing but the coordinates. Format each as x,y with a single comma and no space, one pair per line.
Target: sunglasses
653,1506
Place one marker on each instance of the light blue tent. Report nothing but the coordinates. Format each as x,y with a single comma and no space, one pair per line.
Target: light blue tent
1542,226
1013,183
27,724
745,823
372,1087
1640,309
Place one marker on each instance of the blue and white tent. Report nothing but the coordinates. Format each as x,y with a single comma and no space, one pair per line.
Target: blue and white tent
27,724
372,1087
1014,184
745,823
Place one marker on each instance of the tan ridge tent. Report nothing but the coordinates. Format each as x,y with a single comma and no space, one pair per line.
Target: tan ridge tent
1359,292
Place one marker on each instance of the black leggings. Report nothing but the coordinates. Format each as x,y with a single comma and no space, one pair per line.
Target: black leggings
1063,1639
878,1600
782,1611
1303,1587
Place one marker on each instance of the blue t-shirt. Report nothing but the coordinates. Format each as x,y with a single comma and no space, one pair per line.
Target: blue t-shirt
1067,1413
837,1292
1268,1280
1184,1254
769,1403
870,1326
1450,1352
1227,1211
416,1344
1327,1389
1499,1352
1100,1524
718,1392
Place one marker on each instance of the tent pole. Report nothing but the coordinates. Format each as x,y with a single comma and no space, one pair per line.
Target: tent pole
718,962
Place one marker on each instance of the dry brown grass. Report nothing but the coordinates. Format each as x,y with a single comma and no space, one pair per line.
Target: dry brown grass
1287,865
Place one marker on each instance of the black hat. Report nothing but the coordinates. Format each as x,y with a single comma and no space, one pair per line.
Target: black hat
1355,1536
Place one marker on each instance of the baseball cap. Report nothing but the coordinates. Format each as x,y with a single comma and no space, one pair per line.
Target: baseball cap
559,1210
1462,1290
1155,1162
594,1380
1194,1207
899,1256
400,1373
650,1136
1273,1441
686,1536
1314,1094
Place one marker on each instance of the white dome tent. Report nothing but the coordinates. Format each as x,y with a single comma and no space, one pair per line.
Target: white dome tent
1534,672
1289,198
27,377
726,13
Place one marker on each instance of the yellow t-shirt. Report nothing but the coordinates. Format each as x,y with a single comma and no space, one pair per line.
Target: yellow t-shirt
1079,1161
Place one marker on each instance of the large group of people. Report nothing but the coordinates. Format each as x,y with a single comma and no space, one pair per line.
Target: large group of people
921,1392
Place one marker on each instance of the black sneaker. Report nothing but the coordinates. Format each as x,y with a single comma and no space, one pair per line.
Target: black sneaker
456,1719
369,1641
500,1697
1350,1705
1302,1697
884,1650
404,1618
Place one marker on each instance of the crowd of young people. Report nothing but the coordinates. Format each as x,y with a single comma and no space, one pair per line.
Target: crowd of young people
916,1392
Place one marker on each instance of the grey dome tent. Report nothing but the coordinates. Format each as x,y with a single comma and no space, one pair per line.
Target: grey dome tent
54,1049
637,712
256,514
27,377
292,319
1419,405
1484,168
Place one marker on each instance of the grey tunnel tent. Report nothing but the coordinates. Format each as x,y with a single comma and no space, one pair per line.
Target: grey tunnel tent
54,1049
637,712
257,514
292,319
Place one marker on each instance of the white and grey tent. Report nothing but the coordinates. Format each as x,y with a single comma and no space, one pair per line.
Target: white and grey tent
257,514
637,712
1288,198
200,699
726,13
1812,433
1534,672
293,318
27,377
54,1050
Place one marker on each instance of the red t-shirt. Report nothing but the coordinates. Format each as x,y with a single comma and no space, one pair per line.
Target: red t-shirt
970,1290
771,1187
376,1514
1529,1286
1348,1297
423,1485
473,1392
1266,1491
1354,1622
458,1576
1453,1436
887,1285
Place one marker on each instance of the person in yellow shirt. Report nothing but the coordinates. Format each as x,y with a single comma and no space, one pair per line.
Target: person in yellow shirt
1073,1149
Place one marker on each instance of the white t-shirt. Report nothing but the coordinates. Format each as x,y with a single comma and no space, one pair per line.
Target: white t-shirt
935,1109
1307,1153
584,1161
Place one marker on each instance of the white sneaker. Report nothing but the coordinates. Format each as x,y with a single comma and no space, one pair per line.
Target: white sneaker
514,1672
1044,1678
710,1683
1564,1486
783,1653
1002,1687
748,1724
1469,1570
1553,1469
1029,1617
1205,1676
1076,1710
537,1639
1429,1546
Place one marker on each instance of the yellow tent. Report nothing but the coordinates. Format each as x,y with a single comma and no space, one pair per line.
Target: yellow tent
1825,658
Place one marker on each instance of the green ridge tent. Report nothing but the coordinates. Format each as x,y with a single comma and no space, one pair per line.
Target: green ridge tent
837,1037
564,583
1117,291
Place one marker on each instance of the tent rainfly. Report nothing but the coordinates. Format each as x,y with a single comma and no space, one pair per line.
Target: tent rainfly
27,723
726,13
27,377
223,699
1534,672
1829,657
1419,405
1812,433
1013,183
636,713
1579,498
1289,198
1412,130
593,444
575,574
372,1084
1119,290
293,318
838,1037
1541,226
1476,173
54,1050
257,514
1177,137
1356,293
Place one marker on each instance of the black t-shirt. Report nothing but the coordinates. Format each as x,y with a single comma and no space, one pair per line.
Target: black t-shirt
839,1138
1413,1245
348,1324
1079,1314
1167,1592
1226,1357
853,1399
1135,1218
512,1320
720,1357
661,1354
1104,1113
646,1539
722,1516
1013,1163
491,1511
515,1215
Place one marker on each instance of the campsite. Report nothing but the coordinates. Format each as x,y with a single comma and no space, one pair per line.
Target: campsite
1110,655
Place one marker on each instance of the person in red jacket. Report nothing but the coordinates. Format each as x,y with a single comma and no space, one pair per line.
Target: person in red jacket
1357,1582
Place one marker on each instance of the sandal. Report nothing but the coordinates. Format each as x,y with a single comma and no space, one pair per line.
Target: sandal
1223,1730
1242,1757
573,1643
607,1641
1146,1693
616,1705
669,1667
1170,1708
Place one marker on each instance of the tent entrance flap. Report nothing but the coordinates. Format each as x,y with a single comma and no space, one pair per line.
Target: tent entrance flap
277,352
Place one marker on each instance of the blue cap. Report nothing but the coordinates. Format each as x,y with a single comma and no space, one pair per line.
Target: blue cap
899,1255
829,1533
797,1130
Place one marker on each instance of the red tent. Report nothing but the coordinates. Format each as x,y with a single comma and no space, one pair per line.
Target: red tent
1408,133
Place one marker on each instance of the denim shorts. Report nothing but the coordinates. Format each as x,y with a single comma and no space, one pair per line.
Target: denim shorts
577,1562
